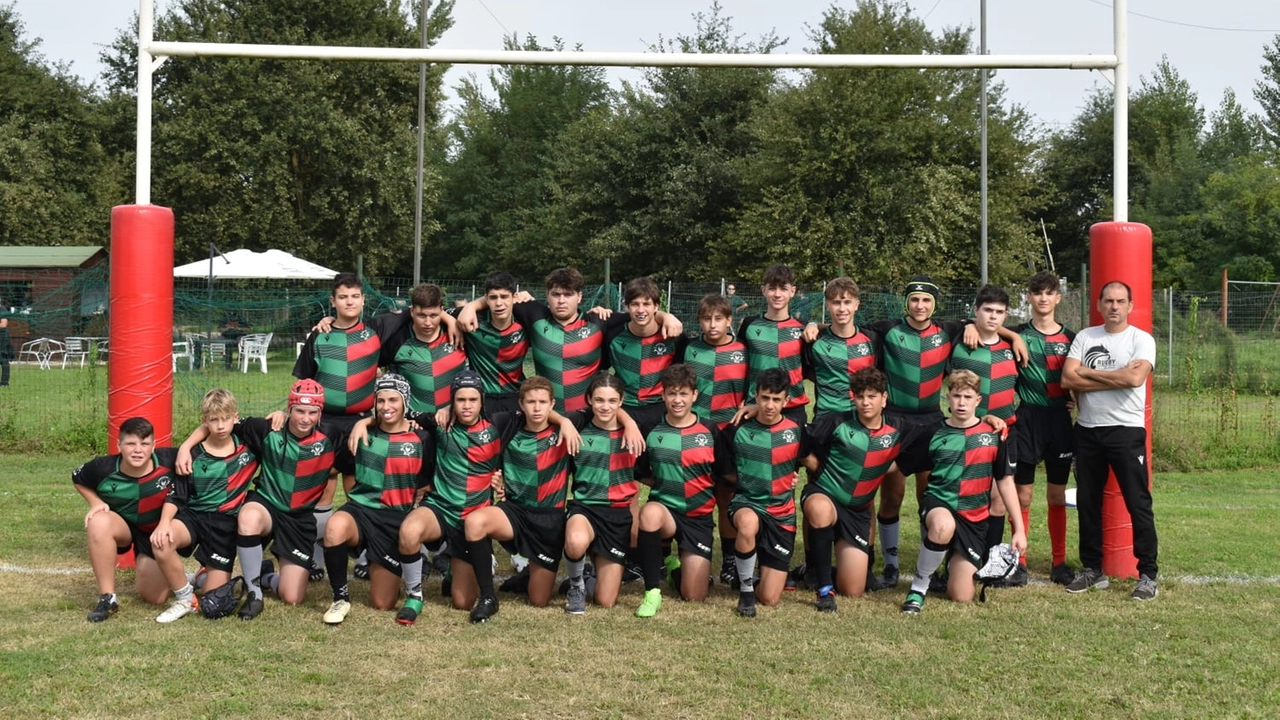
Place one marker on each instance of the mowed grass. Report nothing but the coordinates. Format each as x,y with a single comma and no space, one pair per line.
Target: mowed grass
1204,647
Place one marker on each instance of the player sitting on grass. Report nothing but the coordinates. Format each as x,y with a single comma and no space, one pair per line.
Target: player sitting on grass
966,457
200,513
389,470
126,493
529,517
680,463
766,452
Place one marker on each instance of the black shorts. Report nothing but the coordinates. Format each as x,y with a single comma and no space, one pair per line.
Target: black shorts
141,544
538,534
914,458
612,527
379,533
501,402
694,534
213,538
853,525
450,535
1045,434
293,535
774,544
970,538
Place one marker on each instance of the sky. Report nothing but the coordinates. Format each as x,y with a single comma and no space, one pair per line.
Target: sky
1214,46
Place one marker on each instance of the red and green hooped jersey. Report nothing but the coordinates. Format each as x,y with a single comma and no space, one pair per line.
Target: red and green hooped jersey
722,378
1040,382
293,470
966,461
766,458
535,468
465,460
217,484
832,359
389,468
639,362
429,368
498,355
998,370
854,458
138,500
916,361
683,463
775,344
345,363
568,355
603,472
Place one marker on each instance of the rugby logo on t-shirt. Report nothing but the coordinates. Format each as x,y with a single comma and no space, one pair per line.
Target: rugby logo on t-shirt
1098,358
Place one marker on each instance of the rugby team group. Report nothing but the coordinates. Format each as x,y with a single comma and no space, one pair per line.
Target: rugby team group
443,445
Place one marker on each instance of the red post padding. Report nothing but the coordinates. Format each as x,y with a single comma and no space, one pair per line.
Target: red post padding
1121,251
139,340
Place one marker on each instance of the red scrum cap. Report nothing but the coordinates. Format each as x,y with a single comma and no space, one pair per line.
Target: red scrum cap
306,392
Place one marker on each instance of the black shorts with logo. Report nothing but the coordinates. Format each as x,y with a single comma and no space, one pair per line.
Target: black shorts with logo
612,528
853,525
970,539
1045,434
379,533
774,544
694,534
293,535
538,533
213,538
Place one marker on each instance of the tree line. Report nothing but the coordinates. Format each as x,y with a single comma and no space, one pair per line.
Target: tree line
687,174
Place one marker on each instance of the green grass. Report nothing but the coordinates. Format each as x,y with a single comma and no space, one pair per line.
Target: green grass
1203,648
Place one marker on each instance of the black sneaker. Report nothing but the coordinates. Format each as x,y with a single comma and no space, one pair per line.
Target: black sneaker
441,563
632,571
826,601
797,577
251,608
874,582
317,574
486,607
729,573
1062,574
518,583
104,609
889,578
361,571
747,604
1146,589
1089,579
938,583
1018,578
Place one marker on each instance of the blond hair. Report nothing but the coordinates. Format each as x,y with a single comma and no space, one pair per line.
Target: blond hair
218,403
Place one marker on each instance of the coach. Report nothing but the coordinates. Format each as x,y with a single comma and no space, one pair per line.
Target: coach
1107,368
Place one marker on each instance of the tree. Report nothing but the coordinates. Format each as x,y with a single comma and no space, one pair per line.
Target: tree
316,158
53,190
1267,93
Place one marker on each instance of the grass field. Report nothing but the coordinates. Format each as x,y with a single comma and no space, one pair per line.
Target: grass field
1205,647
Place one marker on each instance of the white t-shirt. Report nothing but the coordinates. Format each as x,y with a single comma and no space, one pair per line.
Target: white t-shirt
1098,349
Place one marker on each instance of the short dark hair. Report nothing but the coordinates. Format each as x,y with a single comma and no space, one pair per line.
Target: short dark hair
500,280
606,380
991,295
346,280
773,380
678,376
1043,280
1126,287
868,378
777,276
641,287
138,427
426,295
711,303
566,277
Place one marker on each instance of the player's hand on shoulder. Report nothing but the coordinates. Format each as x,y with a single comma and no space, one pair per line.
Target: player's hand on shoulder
522,296
998,425
324,326
746,412
601,312
811,332
570,438
971,338
359,435
467,319
277,418
1020,351
633,441
671,326
444,417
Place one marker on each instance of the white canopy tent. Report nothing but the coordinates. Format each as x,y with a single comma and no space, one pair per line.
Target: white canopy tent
249,265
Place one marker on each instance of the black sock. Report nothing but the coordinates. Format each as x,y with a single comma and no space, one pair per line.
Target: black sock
727,550
818,554
995,531
335,563
650,558
480,555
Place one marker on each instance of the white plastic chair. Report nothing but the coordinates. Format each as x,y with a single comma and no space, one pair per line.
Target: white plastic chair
75,348
254,347
40,351
183,350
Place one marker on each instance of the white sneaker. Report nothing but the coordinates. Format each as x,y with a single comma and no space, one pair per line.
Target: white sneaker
337,612
178,610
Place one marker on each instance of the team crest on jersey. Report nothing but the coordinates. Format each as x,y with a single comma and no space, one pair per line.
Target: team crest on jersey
317,449
163,482
861,350
552,439
737,357
788,436
1006,354
1057,348
406,449
516,336
701,440
483,436
660,349
935,340
242,459
793,333
581,333
363,335
883,441
447,347
985,439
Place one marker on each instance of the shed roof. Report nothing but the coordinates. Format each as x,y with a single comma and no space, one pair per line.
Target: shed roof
26,256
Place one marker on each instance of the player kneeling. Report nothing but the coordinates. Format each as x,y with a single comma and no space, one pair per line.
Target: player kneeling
967,457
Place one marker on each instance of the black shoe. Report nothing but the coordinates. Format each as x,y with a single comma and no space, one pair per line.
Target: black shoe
826,602
1062,574
747,604
104,609
518,583
1018,578
317,574
361,571
486,607
797,577
874,582
441,563
251,608
938,583
889,578
446,585
729,573
632,571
